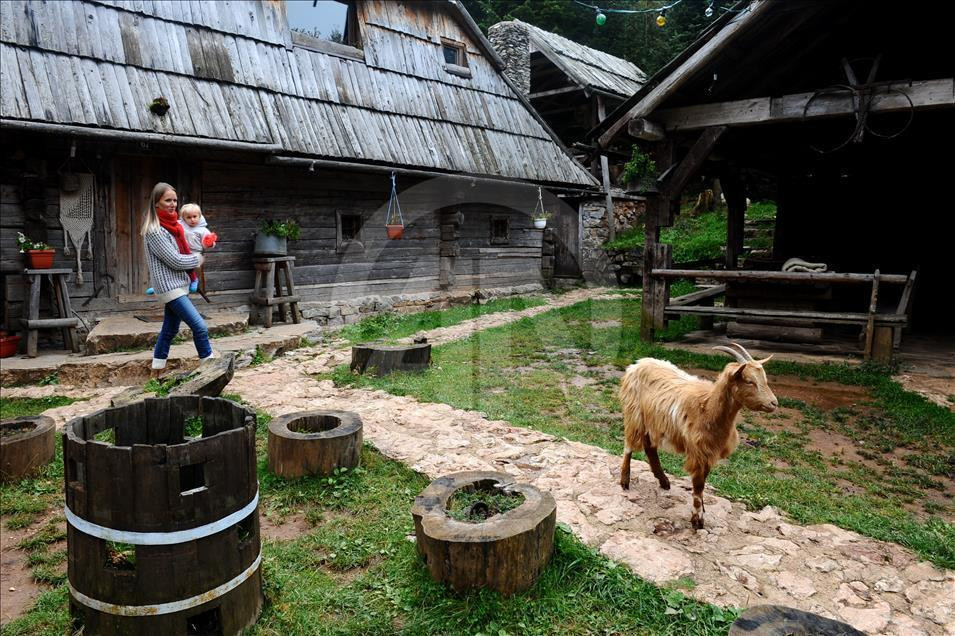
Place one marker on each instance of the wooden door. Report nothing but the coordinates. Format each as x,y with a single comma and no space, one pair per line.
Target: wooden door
134,178
567,243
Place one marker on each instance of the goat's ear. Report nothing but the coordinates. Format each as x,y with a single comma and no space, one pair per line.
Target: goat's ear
738,374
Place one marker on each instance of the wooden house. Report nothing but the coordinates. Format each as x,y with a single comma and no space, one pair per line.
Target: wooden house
844,113
267,123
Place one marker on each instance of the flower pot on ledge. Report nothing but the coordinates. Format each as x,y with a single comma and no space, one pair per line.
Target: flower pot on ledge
40,259
270,245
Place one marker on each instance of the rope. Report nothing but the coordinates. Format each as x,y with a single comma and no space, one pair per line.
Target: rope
539,206
394,206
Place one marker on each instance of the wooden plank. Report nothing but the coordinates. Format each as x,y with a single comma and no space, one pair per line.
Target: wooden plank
694,297
770,275
773,110
870,323
646,130
691,164
850,318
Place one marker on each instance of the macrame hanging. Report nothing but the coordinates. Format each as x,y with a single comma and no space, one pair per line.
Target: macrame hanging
394,222
76,216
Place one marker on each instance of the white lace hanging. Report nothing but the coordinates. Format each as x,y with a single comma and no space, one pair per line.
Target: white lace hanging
76,216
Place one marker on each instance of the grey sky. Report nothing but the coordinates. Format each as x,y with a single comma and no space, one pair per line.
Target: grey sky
326,15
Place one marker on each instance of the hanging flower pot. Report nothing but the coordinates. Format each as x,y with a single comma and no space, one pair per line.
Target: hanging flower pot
394,222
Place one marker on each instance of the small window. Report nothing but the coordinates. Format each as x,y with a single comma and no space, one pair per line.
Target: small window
324,21
500,230
454,55
349,230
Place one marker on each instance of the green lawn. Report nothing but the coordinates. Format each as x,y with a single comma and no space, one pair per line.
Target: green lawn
522,373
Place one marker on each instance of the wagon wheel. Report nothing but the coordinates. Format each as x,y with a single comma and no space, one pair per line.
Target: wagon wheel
27,445
314,443
506,552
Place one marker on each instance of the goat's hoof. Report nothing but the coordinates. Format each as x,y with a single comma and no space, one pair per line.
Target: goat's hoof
696,522
665,484
625,486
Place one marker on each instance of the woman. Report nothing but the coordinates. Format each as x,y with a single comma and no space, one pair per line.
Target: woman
170,261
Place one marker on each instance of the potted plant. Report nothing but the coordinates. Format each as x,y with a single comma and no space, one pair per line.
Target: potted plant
8,344
540,219
39,254
273,236
640,171
159,106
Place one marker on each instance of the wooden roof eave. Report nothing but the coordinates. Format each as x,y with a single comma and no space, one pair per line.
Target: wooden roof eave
674,74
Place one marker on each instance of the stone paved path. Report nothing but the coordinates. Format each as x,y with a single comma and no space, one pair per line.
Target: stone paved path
742,558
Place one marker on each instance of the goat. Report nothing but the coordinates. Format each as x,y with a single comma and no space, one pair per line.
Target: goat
665,407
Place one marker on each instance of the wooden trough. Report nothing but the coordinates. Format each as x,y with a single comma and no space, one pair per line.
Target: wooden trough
162,528
378,359
314,443
27,444
507,552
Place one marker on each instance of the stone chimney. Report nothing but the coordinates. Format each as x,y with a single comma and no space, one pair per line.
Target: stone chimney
512,43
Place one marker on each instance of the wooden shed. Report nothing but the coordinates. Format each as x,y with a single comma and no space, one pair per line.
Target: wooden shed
267,123
842,112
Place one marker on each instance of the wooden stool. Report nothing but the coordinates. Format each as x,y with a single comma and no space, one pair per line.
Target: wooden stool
59,304
268,291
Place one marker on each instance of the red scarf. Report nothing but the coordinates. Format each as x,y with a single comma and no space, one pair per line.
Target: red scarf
170,221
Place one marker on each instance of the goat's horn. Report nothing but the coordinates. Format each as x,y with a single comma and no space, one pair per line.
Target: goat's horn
745,353
733,352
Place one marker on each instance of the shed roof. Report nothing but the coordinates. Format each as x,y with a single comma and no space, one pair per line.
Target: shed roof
230,72
585,66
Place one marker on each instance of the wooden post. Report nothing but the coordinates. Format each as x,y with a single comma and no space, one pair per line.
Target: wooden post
870,324
736,215
605,175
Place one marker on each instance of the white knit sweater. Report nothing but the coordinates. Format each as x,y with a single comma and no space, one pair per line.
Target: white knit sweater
167,267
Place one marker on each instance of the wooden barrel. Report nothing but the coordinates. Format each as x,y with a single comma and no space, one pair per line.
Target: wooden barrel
163,524
27,444
314,442
507,552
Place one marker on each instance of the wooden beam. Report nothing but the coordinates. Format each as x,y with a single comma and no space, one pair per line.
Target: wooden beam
788,108
676,180
556,91
687,70
770,275
735,192
645,130
605,175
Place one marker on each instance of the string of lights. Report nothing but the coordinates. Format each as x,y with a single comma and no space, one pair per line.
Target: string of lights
601,13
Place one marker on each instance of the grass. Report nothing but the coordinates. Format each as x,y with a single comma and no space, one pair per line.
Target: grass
352,570
521,373
478,504
23,407
394,326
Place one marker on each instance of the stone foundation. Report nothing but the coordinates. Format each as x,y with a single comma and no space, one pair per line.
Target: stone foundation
595,264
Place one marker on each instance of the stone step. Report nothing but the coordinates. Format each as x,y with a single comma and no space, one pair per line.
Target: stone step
133,332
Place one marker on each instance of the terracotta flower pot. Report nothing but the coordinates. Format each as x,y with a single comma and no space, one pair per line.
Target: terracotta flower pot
395,232
9,345
40,259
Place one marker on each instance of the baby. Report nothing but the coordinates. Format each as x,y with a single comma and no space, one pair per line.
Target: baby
198,236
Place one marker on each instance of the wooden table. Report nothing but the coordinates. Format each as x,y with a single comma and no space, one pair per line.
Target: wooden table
268,291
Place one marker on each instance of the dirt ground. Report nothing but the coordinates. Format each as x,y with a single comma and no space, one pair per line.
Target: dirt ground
18,590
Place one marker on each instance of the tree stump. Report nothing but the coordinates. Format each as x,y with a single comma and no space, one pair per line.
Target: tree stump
776,620
208,380
314,443
380,359
27,444
505,553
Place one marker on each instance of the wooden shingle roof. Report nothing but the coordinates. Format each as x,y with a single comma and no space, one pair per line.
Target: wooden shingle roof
230,71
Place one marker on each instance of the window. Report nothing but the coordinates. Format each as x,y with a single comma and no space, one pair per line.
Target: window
500,230
454,55
329,26
348,230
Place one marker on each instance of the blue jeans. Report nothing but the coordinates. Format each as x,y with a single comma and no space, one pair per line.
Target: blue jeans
179,310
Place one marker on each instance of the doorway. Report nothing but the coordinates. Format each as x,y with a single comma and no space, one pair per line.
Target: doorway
567,243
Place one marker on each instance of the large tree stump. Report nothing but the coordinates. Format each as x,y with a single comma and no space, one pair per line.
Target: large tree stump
506,553
314,443
27,444
776,620
208,380
381,359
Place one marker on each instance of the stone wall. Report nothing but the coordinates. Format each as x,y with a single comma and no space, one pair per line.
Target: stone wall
512,43
594,261
348,312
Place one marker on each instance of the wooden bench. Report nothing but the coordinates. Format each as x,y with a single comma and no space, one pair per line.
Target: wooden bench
882,330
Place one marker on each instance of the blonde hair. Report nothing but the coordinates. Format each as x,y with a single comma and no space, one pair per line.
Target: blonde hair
189,207
150,219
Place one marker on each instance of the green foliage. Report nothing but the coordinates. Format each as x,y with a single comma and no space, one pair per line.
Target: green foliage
466,503
259,357
192,426
639,166
287,229
21,407
393,326
50,380
692,237
25,244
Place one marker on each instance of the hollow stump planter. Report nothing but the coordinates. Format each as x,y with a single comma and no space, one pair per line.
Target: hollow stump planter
378,360
507,552
314,443
27,444
163,529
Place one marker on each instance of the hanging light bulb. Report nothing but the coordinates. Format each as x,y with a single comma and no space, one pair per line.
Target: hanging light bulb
601,18
709,11
662,19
